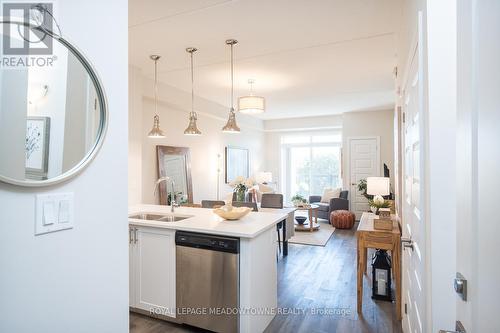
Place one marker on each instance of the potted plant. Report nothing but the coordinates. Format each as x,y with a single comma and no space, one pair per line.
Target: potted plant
176,195
240,186
298,200
362,188
378,202
179,197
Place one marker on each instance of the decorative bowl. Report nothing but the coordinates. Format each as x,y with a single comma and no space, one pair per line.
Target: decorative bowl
300,219
235,213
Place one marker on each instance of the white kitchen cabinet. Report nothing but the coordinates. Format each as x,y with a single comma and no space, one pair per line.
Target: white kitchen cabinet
152,270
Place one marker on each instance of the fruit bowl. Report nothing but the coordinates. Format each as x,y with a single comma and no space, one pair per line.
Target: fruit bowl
232,213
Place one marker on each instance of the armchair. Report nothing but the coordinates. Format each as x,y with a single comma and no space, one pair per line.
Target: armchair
324,210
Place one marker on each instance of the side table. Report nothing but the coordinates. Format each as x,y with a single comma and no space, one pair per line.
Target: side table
389,240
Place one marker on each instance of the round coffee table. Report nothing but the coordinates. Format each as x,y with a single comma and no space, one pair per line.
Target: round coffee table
310,225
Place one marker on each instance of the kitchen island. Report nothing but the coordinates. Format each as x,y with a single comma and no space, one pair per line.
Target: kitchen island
153,263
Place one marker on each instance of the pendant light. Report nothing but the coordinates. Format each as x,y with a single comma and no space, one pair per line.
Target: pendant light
231,126
251,104
192,129
156,132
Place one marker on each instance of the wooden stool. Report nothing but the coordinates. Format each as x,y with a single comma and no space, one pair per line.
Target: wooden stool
342,219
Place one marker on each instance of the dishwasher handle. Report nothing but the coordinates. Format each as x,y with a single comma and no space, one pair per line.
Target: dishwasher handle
207,242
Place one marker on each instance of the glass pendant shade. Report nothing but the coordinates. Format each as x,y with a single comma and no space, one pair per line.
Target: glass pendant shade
156,131
192,128
231,126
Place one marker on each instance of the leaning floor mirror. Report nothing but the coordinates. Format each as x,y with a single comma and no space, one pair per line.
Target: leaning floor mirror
53,112
175,163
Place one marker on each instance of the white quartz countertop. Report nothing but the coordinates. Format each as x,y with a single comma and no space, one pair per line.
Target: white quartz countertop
203,220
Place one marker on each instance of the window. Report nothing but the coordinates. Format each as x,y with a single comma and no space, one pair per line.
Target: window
311,163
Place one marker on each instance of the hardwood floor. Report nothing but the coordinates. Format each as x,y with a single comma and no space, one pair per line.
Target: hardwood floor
313,278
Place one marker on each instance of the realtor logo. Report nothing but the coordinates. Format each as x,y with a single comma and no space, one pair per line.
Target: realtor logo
29,38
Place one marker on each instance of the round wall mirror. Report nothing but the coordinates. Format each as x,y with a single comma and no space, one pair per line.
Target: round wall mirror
53,114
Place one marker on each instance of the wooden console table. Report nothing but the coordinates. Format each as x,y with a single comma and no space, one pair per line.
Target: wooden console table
379,239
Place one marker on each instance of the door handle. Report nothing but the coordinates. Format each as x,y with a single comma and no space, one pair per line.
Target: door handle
407,243
460,285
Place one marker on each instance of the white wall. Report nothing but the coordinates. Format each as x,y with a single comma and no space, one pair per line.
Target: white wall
53,105
303,123
77,110
135,137
370,123
173,110
13,124
76,280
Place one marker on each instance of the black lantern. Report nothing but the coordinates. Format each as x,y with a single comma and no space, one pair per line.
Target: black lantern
381,276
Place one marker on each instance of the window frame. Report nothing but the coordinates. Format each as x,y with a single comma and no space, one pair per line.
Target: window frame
286,181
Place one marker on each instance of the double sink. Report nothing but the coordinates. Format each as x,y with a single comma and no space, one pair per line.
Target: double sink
158,217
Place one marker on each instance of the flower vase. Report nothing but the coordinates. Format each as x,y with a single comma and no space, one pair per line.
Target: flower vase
240,195
374,209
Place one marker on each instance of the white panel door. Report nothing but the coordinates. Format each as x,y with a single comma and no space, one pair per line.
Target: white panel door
364,161
154,268
413,222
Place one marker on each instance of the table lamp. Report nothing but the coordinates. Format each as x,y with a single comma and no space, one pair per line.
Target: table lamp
378,187
264,177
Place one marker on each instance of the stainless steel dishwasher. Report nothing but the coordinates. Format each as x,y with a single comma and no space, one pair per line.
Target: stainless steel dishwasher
208,281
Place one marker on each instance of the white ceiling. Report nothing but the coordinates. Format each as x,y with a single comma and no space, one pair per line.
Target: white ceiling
308,58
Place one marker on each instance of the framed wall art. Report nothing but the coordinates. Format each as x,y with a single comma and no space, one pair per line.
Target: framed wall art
237,163
37,147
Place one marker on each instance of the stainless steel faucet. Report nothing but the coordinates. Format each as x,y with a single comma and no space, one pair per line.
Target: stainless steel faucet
173,203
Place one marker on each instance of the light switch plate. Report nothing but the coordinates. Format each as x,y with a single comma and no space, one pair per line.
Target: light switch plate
54,212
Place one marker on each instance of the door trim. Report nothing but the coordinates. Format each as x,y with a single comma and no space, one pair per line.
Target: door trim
417,49
347,184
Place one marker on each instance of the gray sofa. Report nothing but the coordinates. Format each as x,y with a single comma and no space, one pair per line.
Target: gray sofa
324,210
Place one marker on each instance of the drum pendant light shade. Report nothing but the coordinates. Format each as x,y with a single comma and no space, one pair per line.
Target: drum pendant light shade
192,128
231,125
156,131
251,104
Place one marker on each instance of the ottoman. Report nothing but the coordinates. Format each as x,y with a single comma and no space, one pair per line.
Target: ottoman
342,219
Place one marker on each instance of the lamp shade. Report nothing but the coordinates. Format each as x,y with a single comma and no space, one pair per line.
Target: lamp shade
156,131
378,186
231,126
251,104
192,128
264,177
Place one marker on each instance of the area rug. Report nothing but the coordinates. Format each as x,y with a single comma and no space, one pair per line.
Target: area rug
317,238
